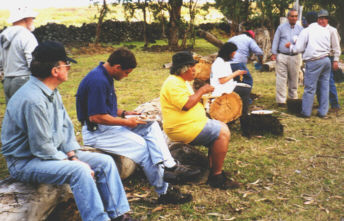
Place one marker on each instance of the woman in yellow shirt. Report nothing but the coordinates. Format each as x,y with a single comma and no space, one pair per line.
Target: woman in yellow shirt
185,120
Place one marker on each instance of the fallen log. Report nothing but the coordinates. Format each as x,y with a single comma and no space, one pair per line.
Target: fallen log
21,202
210,38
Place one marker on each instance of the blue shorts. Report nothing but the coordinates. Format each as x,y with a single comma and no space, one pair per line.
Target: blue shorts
209,134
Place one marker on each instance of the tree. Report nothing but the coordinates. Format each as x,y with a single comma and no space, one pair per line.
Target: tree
236,11
141,5
174,8
102,13
190,32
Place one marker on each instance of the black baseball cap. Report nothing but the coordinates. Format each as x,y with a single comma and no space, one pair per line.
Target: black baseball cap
51,51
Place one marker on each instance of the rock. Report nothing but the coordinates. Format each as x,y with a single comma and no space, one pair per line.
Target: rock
22,202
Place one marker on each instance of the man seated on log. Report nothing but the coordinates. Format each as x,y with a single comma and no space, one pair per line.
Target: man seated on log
39,144
106,127
185,120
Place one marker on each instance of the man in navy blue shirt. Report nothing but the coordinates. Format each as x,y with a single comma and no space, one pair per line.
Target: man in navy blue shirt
105,127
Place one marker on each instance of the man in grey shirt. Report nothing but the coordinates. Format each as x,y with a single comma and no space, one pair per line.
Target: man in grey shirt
287,64
16,45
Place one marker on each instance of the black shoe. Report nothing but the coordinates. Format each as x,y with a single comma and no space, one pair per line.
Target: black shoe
174,196
222,182
180,174
334,110
322,116
125,217
302,115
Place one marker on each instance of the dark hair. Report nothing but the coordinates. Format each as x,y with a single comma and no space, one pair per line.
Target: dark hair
311,17
248,34
41,69
124,57
226,50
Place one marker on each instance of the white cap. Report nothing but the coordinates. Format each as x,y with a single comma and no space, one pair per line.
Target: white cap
20,13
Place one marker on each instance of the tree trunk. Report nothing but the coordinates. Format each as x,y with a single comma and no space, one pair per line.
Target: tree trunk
102,15
174,11
210,38
145,37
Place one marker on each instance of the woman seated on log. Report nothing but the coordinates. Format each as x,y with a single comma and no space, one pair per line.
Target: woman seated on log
185,120
222,77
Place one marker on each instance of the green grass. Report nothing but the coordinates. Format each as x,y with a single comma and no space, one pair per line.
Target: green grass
298,176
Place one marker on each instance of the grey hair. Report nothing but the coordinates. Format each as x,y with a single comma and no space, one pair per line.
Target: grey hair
291,10
182,69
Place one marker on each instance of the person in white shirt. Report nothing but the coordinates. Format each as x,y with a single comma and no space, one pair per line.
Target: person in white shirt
314,43
222,77
16,45
323,18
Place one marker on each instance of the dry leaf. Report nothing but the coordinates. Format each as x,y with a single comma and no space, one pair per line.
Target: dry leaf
214,214
157,209
255,182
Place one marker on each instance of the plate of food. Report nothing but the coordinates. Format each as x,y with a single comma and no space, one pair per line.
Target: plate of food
144,117
262,112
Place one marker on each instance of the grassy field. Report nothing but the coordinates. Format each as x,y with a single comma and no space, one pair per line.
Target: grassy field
298,176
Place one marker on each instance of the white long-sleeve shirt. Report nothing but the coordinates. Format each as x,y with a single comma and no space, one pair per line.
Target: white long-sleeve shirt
335,42
313,42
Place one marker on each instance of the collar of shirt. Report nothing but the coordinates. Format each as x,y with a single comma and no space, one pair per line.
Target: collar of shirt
45,89
105,72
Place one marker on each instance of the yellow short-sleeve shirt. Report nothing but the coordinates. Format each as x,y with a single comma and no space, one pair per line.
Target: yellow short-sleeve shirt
180,125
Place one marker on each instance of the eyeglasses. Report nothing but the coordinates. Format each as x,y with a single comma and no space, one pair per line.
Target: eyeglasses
68,64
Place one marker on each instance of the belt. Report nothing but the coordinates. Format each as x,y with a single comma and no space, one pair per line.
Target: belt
289,54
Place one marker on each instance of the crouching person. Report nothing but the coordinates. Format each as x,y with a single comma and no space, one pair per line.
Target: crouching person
39,144
185,120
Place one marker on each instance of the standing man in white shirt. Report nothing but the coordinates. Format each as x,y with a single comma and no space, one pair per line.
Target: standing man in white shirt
314,43
16,45
287,64
334,56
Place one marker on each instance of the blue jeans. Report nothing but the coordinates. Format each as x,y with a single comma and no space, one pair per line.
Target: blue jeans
144,144
333,90
209,133
101,200
316,77
247,79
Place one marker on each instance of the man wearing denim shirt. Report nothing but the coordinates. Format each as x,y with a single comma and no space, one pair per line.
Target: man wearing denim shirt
287,64
39,144
246,45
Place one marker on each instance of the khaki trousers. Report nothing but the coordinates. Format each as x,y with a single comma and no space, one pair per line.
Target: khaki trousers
287,73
